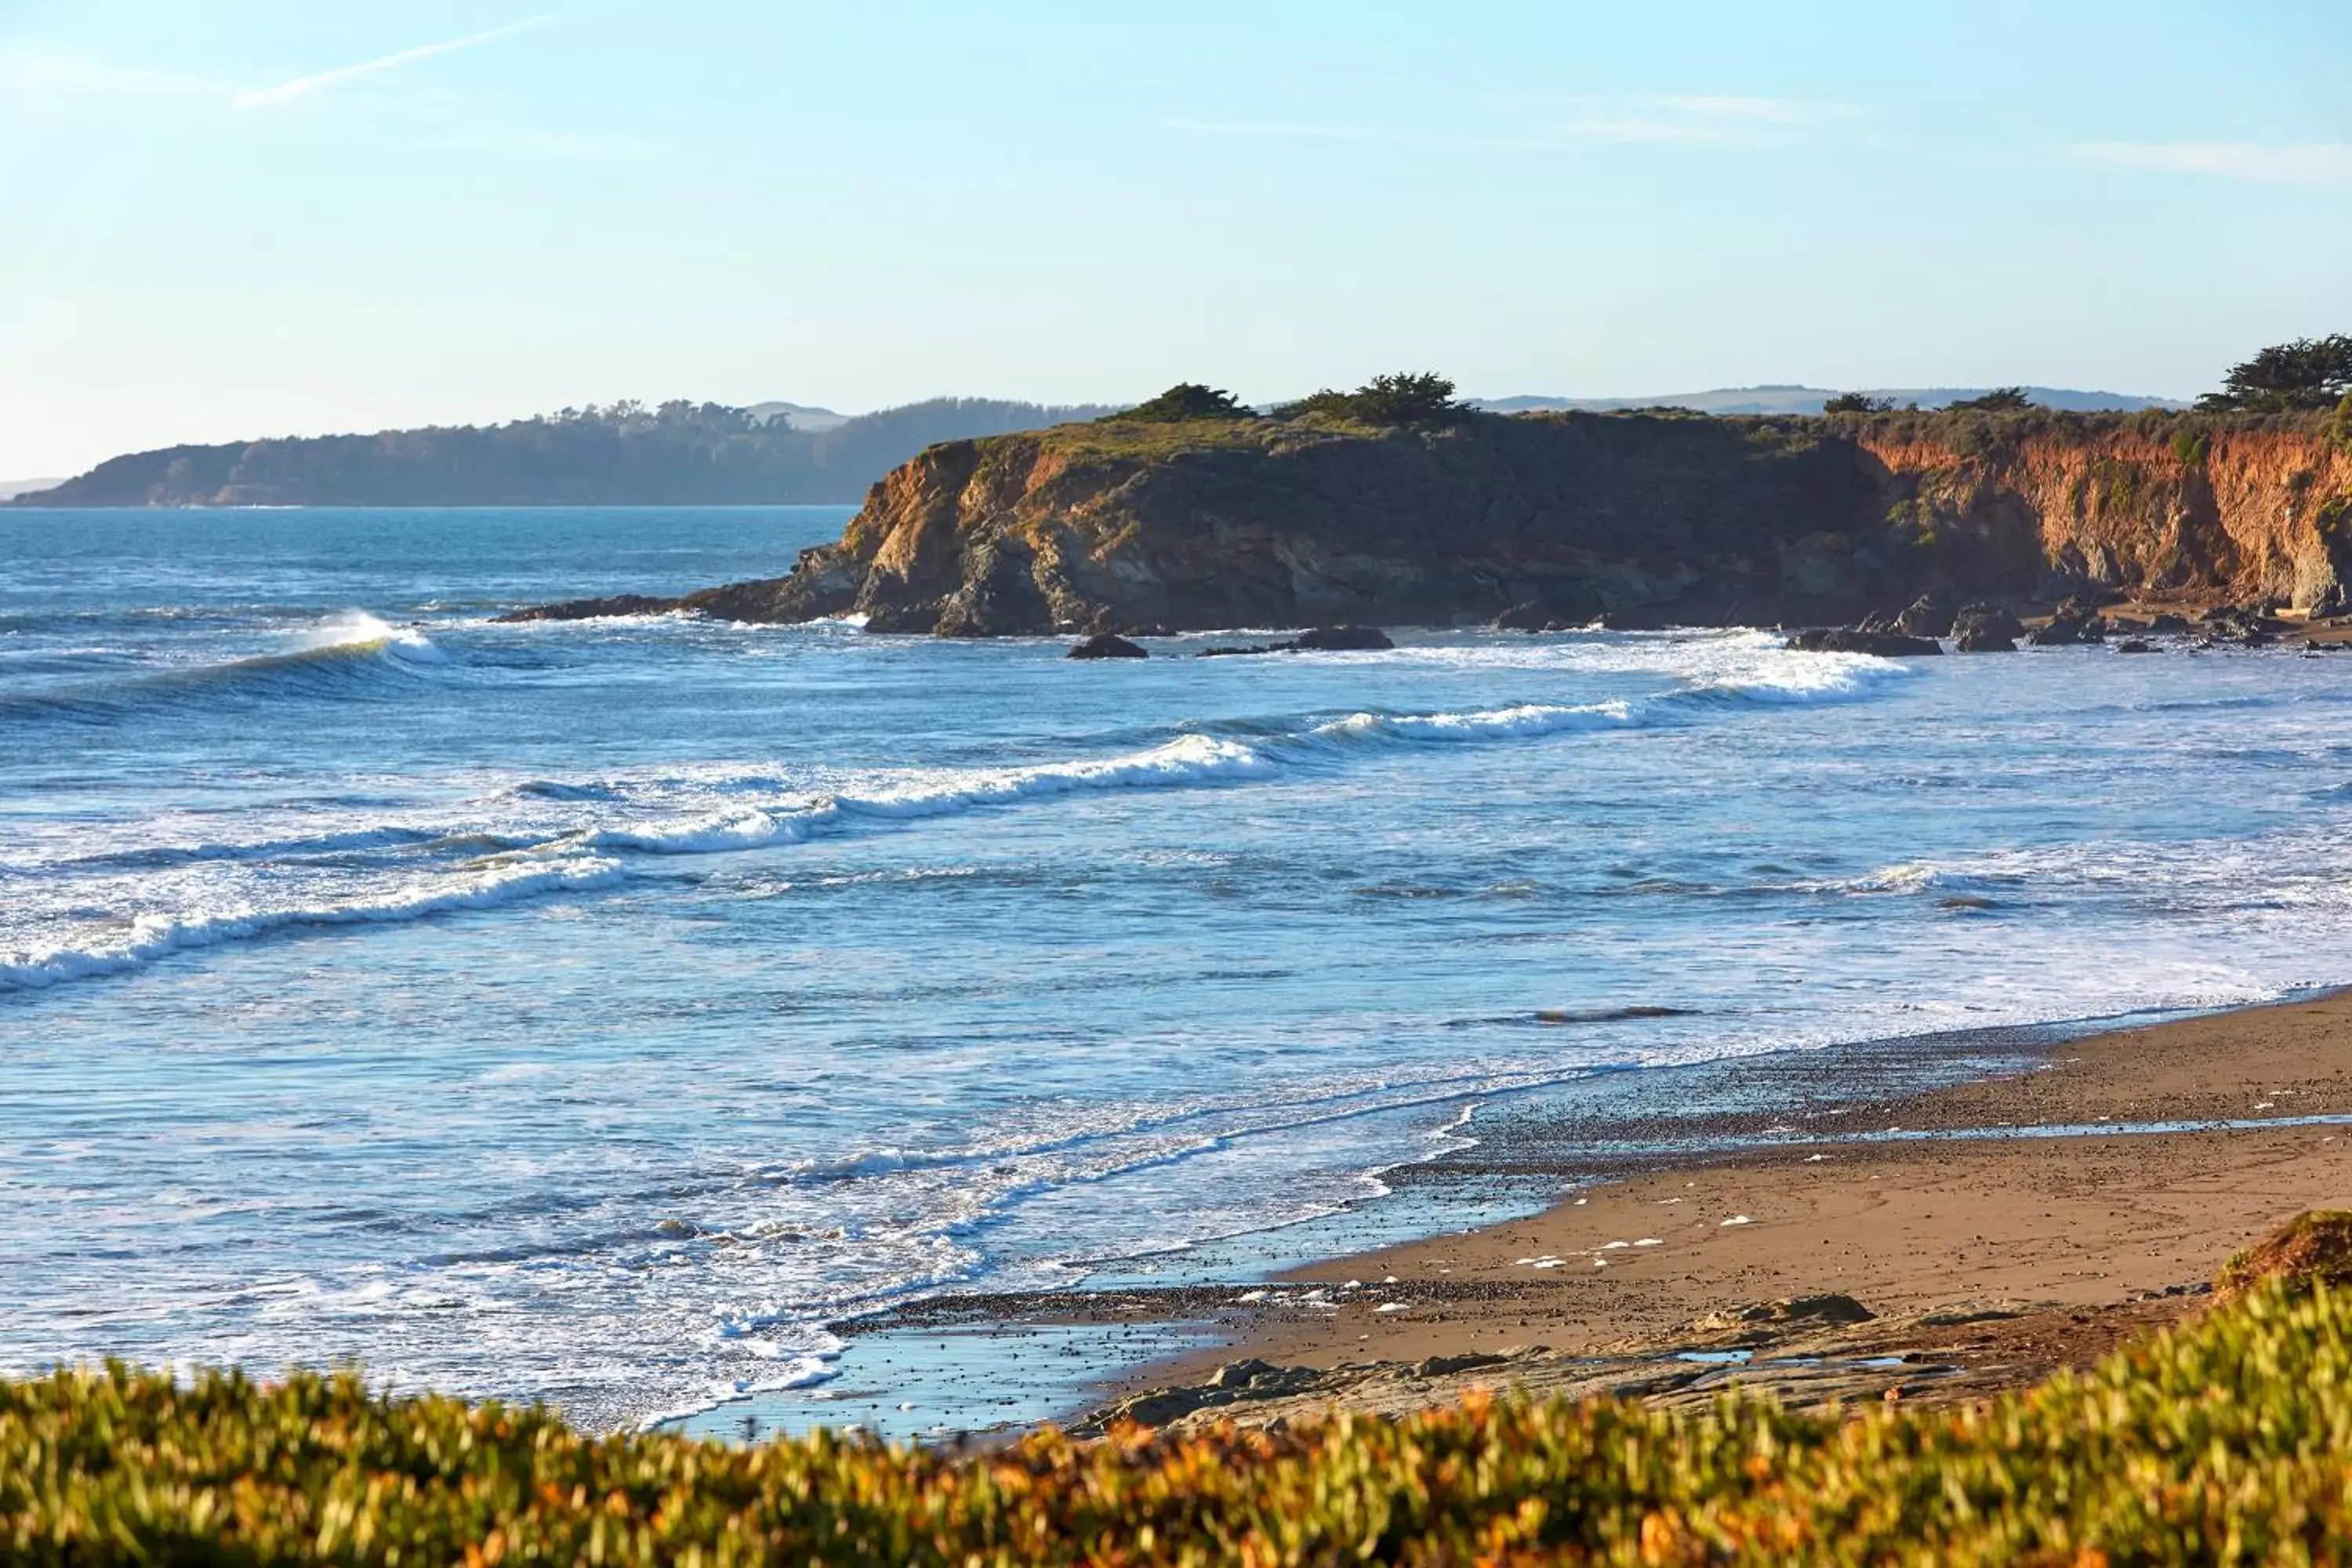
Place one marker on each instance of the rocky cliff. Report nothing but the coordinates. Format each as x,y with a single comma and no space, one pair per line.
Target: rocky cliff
1641,519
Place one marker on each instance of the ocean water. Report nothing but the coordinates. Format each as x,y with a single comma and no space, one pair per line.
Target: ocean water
593,1012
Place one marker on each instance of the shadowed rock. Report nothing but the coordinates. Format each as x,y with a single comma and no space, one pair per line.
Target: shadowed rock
1854,639
1339,639
1107,644
592,609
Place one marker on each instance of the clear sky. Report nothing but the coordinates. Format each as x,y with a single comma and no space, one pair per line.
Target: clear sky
226,218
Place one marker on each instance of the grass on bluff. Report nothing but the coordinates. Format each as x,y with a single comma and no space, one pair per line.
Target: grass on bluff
2226,1440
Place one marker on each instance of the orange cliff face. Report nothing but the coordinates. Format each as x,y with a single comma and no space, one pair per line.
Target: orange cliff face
1643,518
2205,510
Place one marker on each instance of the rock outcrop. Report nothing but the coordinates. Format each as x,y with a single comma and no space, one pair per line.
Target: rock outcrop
1856,639
1107,644
1986,628
1556,520
591,609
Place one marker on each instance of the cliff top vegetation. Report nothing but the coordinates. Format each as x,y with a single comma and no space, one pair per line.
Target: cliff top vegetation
2227,1440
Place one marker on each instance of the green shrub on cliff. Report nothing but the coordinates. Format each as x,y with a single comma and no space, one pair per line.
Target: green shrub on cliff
1187,400
1999,400
2339,424
1410,398
1858,403
2229,1440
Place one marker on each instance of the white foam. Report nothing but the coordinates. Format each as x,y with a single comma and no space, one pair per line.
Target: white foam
1187,760
359,631
1785,677
1494,723
150,936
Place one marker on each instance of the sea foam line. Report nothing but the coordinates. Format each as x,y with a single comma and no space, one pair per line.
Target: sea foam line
152,936
1186,761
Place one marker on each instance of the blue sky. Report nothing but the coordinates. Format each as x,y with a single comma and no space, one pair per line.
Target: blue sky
238,217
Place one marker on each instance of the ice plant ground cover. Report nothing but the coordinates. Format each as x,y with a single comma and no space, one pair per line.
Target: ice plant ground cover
2226,1440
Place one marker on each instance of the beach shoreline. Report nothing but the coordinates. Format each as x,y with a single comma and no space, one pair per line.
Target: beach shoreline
1945,1243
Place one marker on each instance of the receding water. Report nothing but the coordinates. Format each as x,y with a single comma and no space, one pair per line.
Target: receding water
593,1011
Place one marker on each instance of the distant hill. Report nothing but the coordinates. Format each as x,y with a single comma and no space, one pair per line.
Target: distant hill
11,489
678,454
1792,399
798,415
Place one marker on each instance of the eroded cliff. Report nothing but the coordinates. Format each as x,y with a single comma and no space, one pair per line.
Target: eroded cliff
1641,518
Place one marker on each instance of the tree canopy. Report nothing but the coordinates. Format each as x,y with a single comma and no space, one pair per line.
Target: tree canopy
1189,400
1858,403
1421,397
2309,372
1999,400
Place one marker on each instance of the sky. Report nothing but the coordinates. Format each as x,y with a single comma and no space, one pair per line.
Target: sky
224,219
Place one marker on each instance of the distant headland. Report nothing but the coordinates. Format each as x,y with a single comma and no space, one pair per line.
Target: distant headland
1399,503
625,453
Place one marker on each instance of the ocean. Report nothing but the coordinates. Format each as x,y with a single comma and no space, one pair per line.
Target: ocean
595,1012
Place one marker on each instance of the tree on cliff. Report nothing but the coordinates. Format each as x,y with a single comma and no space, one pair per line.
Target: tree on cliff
2309,372
1187,400
1999,400
1421,397
1858,403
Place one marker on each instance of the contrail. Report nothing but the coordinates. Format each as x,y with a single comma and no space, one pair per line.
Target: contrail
303,86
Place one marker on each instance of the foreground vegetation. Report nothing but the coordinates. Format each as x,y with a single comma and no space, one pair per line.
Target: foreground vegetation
2229,1440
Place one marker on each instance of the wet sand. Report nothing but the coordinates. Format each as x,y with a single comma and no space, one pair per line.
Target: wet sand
1994,1231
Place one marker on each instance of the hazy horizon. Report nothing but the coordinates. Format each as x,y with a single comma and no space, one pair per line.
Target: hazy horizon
301,219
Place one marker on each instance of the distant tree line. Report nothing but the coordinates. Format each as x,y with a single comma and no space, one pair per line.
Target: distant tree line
677,453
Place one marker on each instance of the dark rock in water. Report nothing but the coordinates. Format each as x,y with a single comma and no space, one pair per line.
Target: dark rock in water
2135,645
1977,639
591,609
1879,622
1107,644
1851,639
2165,624
1631,621
1339,639
1927,616
1234,652
1524,616
2067,630
1987,620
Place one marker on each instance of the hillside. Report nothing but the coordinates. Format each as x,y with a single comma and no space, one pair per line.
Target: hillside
679,453
1646,518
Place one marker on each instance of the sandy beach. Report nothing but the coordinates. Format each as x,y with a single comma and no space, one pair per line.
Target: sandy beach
1991,1232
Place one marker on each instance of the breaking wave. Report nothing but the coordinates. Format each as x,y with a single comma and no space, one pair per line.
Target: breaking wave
542,835
150,936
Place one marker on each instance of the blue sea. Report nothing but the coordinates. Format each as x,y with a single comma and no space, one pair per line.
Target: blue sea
594,1012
